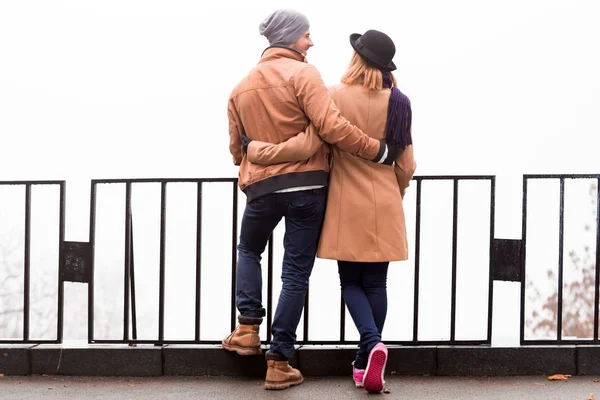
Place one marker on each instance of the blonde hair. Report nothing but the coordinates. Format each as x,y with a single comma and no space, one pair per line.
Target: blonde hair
360,72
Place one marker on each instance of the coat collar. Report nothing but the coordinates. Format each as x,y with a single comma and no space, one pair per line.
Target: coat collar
275,52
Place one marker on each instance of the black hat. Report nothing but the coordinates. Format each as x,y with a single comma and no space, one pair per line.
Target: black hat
375,47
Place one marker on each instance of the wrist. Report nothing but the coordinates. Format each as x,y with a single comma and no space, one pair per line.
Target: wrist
382,154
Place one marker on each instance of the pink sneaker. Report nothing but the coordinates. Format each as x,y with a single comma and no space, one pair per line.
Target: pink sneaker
373,380
358,375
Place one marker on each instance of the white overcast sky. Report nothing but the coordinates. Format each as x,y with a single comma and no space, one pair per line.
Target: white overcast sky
138,88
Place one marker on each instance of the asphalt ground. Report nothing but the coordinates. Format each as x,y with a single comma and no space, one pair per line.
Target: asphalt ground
400,387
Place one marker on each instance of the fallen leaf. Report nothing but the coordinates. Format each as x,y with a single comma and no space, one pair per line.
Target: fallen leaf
591,397
559,377
393,373
44,374
596,380
388,391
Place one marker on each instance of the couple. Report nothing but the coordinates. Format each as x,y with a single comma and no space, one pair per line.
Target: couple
303,148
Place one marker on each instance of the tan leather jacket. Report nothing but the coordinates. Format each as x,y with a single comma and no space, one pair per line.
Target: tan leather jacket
279,98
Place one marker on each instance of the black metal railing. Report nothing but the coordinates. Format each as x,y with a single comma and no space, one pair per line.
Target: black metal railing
560,178
507,261
129,300
27,227
455,202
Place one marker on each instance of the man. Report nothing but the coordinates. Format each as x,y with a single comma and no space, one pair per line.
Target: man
280,97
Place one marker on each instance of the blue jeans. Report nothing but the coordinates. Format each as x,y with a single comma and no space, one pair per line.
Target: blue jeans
365,294
303,212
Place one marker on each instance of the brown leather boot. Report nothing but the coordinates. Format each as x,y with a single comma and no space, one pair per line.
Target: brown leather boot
244,340
280,375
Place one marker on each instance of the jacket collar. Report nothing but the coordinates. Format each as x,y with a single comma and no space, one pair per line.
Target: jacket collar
275,52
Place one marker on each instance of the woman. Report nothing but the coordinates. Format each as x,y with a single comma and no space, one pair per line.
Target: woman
364,227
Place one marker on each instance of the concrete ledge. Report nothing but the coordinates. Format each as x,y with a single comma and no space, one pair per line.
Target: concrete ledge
14,359
96,361
588,360
190,361
412,360
199,360
105,360
326,362
402,360
500,361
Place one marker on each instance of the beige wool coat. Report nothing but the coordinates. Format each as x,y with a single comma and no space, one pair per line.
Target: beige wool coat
364,219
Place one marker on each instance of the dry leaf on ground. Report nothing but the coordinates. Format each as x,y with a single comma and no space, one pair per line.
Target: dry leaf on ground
596,380
388,391
591,397
559,377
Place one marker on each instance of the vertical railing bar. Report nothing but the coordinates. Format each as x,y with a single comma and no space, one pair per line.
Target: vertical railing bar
127,265
597,287
198,259
454,258
417,260
163,227
560,258
27,262
491,275
270,288
92,258
342,317
234,254
132,281
305,330
523,261
61,245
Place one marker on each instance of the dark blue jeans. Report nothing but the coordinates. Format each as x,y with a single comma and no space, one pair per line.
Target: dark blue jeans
303,212
364,287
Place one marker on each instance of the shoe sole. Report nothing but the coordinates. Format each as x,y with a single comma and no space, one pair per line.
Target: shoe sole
373,380
282,385
242,351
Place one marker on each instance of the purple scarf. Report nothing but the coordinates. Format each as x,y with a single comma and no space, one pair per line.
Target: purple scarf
399,117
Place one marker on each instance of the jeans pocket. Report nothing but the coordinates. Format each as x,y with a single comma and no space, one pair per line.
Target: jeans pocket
260,206
258,202
307,204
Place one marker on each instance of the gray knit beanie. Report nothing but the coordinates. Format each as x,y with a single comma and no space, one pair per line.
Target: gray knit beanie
284,27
